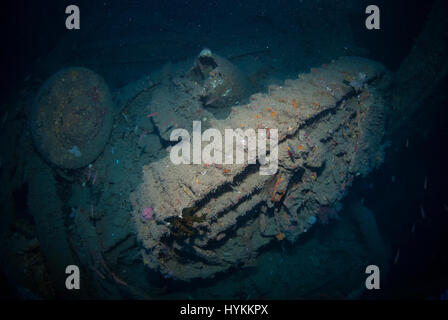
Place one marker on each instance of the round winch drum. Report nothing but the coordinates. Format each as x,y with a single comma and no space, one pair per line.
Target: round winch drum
71,117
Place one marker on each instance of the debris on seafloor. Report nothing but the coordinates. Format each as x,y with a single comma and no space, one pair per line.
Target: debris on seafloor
422,212
153,114
291,152
94,177
397,256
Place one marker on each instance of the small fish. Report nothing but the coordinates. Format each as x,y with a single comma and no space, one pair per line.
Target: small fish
91,211
425,184
422,212
291,152
407,143
397,256
94,177
118,280
98,273
153,114
413,228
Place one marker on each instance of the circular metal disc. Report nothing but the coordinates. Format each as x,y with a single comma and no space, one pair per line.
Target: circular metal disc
71,118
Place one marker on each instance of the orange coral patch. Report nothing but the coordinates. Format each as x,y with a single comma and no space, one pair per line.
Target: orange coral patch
280,236
294,103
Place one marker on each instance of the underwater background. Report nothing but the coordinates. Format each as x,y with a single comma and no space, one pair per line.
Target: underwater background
54,209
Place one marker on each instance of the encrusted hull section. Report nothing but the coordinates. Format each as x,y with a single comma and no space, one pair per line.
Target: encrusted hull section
329,133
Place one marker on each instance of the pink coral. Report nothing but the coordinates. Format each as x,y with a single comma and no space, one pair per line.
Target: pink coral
147,213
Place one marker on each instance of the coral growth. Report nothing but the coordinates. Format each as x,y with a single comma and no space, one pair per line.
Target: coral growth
182,226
